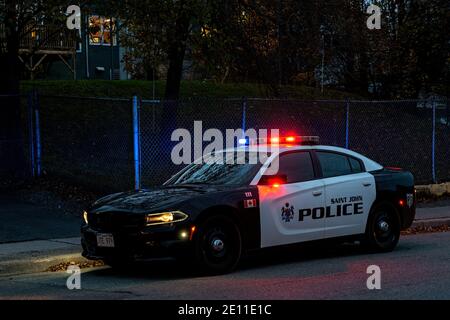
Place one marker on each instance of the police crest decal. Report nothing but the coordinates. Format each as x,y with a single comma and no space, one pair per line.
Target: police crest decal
287,213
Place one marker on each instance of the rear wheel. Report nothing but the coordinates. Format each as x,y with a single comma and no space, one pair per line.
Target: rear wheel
218,245
383,230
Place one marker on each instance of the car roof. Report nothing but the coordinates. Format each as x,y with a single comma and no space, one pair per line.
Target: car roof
369,164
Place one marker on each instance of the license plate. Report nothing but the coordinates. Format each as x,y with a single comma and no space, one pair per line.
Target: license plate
105,240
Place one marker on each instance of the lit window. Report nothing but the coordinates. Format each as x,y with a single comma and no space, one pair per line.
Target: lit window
100,30
109,28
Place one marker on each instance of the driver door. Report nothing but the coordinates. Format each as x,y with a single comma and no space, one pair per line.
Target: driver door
292,211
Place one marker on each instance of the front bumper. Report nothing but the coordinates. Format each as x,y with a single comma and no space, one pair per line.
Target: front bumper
408,215
149,243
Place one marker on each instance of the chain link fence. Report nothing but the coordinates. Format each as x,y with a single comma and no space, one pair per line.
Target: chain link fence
87,141
412,134
394,133
115,144
326,119
15,137
158,120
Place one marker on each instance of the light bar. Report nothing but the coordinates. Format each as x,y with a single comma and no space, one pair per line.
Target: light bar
287,140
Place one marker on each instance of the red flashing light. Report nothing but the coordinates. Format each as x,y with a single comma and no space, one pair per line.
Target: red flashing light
275,182
290,139
275,140
401,202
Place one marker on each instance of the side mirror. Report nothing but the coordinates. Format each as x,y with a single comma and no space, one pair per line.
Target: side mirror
276,179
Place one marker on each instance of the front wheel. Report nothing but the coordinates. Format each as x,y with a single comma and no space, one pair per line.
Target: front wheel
383,230
218,245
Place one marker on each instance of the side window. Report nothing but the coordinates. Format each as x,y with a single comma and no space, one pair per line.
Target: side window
355,165
333,164
297,166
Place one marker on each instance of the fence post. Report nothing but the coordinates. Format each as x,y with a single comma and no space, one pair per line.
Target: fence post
37,128
448,112
433,143
136,144
244,114
347,124
31,134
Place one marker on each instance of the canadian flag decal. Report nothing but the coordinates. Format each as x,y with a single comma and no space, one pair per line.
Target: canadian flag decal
250,203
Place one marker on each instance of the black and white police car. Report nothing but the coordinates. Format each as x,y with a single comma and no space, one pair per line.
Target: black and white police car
212,214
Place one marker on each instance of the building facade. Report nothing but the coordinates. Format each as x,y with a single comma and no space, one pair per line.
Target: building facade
97,54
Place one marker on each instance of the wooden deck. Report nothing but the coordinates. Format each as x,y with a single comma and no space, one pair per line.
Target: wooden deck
40,41
48,40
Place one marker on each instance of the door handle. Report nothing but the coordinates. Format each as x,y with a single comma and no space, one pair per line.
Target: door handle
366,184
317,193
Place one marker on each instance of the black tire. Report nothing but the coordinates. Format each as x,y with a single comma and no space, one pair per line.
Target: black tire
217,245
383,230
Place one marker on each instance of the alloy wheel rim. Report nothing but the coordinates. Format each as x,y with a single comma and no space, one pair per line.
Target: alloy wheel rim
384,231
215,245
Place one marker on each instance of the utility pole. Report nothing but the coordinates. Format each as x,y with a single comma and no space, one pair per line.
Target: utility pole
323,61
322,40
279,53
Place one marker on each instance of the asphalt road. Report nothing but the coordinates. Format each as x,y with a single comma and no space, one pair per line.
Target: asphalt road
418,269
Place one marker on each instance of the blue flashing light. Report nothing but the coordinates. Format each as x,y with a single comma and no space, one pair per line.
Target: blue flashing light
243,141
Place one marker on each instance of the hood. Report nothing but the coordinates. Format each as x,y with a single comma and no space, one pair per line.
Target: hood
153,200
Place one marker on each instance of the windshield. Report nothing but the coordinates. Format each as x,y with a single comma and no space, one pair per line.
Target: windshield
241,171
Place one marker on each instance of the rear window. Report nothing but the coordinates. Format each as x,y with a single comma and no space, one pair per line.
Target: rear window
355,164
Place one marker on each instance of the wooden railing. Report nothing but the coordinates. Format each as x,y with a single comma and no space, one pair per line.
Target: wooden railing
43,38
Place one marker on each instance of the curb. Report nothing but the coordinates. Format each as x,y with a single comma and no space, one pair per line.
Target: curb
425,223
38,255
41,264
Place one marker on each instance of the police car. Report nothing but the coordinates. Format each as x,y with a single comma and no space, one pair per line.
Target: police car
213,214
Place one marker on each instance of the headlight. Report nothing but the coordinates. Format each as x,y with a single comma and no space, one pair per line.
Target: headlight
165,217
85,217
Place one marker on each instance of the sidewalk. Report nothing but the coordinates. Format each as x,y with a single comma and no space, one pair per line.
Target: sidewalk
32,238
38,255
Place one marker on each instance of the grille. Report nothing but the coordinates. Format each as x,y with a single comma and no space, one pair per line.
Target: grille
116,221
